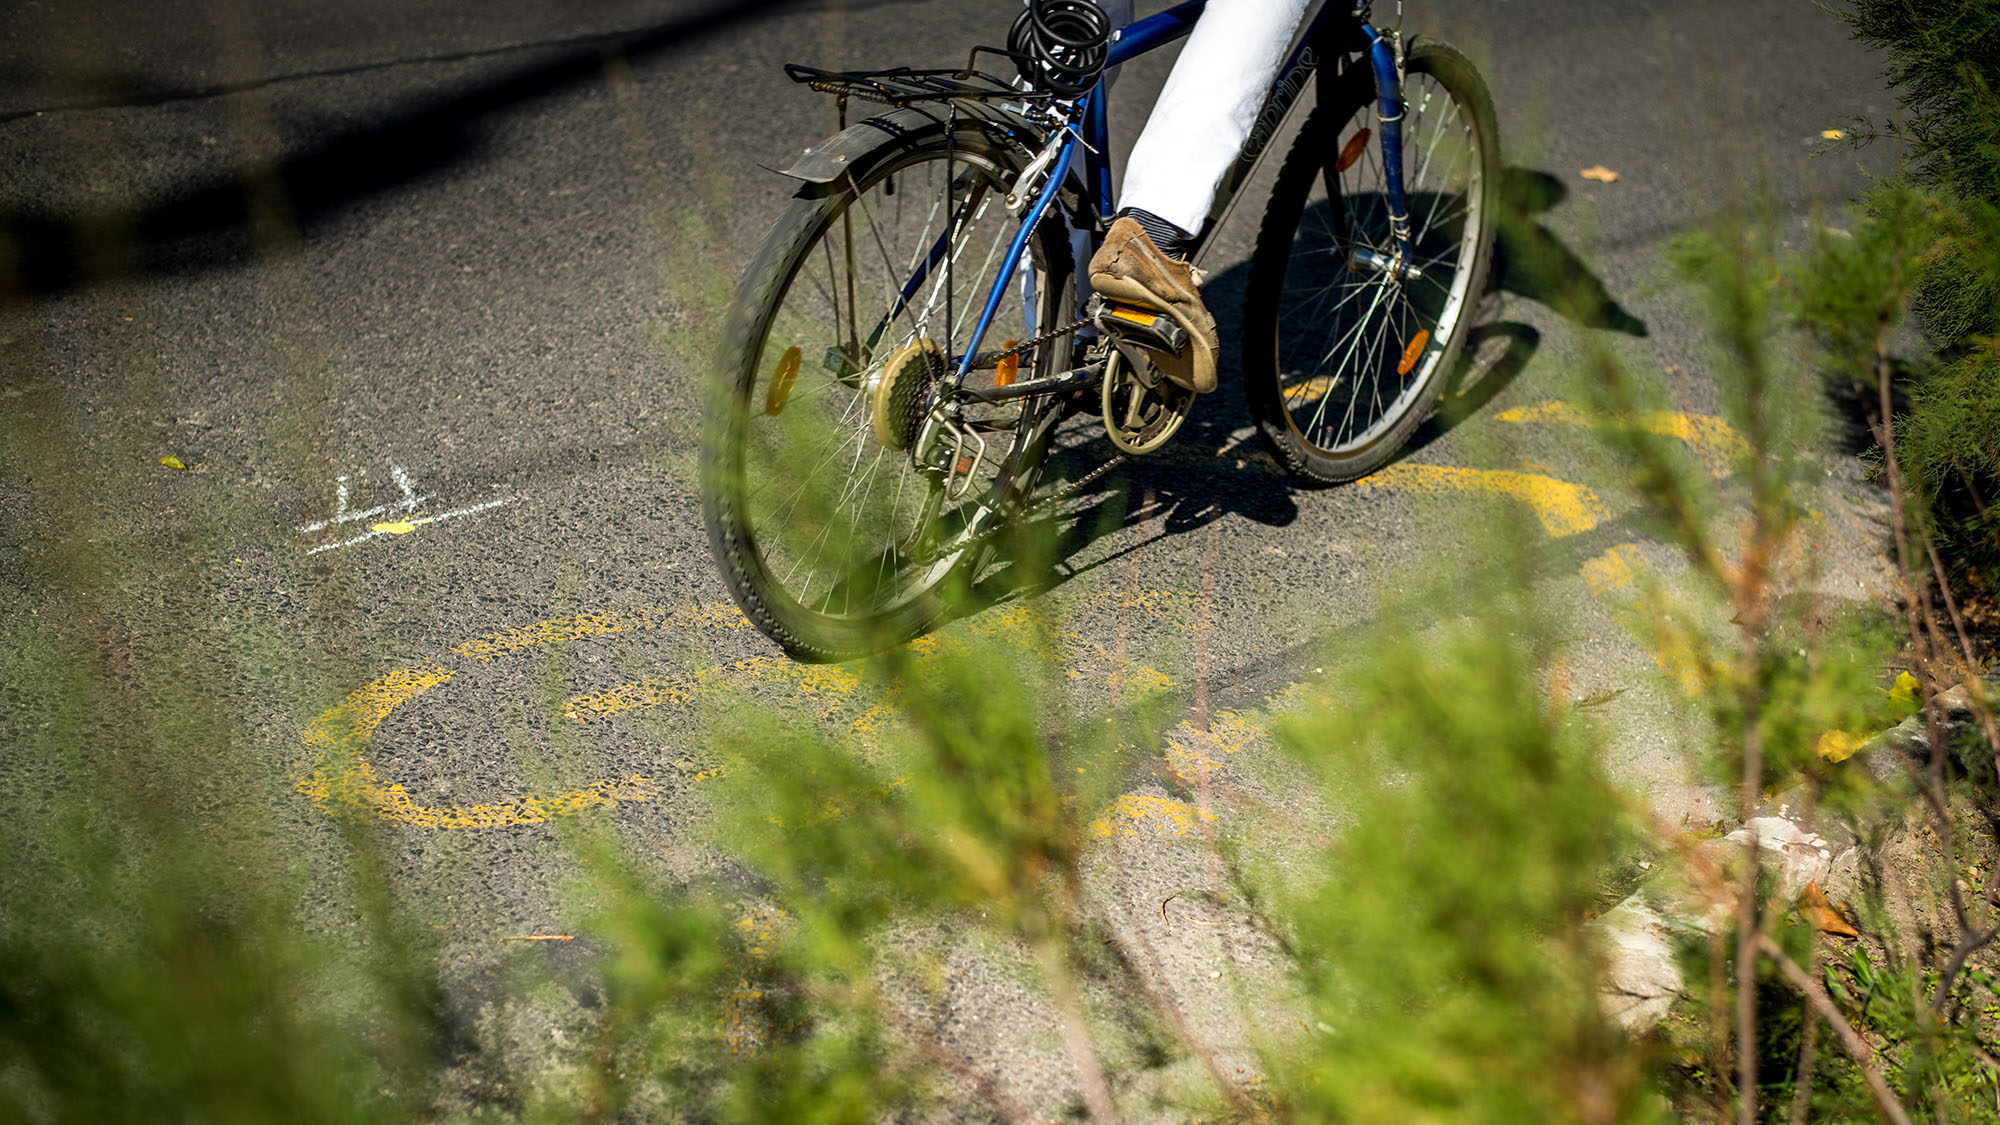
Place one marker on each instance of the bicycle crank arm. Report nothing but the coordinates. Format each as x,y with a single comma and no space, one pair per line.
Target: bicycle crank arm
1061,381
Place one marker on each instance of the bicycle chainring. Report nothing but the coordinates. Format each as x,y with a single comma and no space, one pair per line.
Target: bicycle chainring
1142,411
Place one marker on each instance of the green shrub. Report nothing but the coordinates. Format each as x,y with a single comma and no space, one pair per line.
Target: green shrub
1943,57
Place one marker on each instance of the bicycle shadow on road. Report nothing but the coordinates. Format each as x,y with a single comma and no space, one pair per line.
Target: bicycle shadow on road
1217,466
1160,497
1531,263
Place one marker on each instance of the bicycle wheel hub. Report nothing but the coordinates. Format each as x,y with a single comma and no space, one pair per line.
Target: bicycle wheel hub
900,394
1386,263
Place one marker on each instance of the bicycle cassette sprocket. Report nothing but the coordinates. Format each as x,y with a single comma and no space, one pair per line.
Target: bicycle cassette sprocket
900,395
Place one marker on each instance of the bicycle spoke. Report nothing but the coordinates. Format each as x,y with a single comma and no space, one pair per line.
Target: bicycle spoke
849,528
1342,387
1321,411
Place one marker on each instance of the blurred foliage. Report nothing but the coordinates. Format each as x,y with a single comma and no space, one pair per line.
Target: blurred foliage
175,946
1442,947
1932,236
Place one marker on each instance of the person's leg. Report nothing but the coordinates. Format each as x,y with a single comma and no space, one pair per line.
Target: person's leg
1208,107
1197,127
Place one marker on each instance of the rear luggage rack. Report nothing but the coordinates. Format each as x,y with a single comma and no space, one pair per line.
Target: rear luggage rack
903,86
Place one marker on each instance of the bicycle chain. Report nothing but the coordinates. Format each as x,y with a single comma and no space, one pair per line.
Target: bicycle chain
1068,490
1038,341
1046,502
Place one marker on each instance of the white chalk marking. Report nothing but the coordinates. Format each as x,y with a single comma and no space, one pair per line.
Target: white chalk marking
400,526
413,524
341,515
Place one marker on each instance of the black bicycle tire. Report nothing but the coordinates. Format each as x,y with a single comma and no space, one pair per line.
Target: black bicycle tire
1300,170
800,631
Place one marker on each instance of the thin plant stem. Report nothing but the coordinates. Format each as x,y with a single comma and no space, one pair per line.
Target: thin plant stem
1170,1010
1075,1034
1856,1047
982,1084
1802,1083
1747,923
1718,1009
1950,603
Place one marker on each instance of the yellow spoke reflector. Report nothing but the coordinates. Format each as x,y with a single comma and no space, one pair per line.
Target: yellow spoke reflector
781,381
1412,353
1351,151
1009,368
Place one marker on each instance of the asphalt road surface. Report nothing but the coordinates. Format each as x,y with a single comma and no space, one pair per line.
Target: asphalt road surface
419,291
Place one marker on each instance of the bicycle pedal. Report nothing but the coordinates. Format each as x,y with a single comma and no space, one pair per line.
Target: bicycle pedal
1148,329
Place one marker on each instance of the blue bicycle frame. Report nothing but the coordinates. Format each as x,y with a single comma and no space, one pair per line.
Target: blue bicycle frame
1087,128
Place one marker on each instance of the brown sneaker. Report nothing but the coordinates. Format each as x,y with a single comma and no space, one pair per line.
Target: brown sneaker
1129,268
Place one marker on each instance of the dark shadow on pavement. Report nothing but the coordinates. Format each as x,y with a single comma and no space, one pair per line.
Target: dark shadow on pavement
1210,469
1217,465
208,225
1530,262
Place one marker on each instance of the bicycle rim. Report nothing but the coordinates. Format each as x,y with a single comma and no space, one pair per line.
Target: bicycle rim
850,541
1359,350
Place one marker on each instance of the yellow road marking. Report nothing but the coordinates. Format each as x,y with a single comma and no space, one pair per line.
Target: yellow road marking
1715,443
744,1020
492,646
655,691
1611,578
1564,508
1192,754
1135,816
1615,569
336,774
835,683
1310,391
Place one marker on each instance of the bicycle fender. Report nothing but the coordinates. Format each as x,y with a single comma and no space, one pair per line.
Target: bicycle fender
823,165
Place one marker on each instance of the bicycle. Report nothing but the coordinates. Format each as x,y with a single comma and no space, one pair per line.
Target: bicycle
919,297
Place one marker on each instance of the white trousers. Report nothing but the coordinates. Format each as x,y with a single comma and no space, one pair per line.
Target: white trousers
1208,107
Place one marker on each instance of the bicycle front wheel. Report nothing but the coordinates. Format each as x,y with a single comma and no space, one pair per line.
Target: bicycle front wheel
839,516
1342,357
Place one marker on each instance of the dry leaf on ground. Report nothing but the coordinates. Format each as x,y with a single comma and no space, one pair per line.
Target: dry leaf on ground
1838,745
1814,908
1904,691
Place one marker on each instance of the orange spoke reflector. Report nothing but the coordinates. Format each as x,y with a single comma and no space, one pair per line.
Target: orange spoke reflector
1351,151
1412,353
781,382
1009,368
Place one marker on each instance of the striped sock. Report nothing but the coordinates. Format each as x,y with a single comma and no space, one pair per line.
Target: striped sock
1172,240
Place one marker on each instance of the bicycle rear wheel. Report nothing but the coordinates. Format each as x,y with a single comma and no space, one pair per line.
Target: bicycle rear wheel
825,505
1342,359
